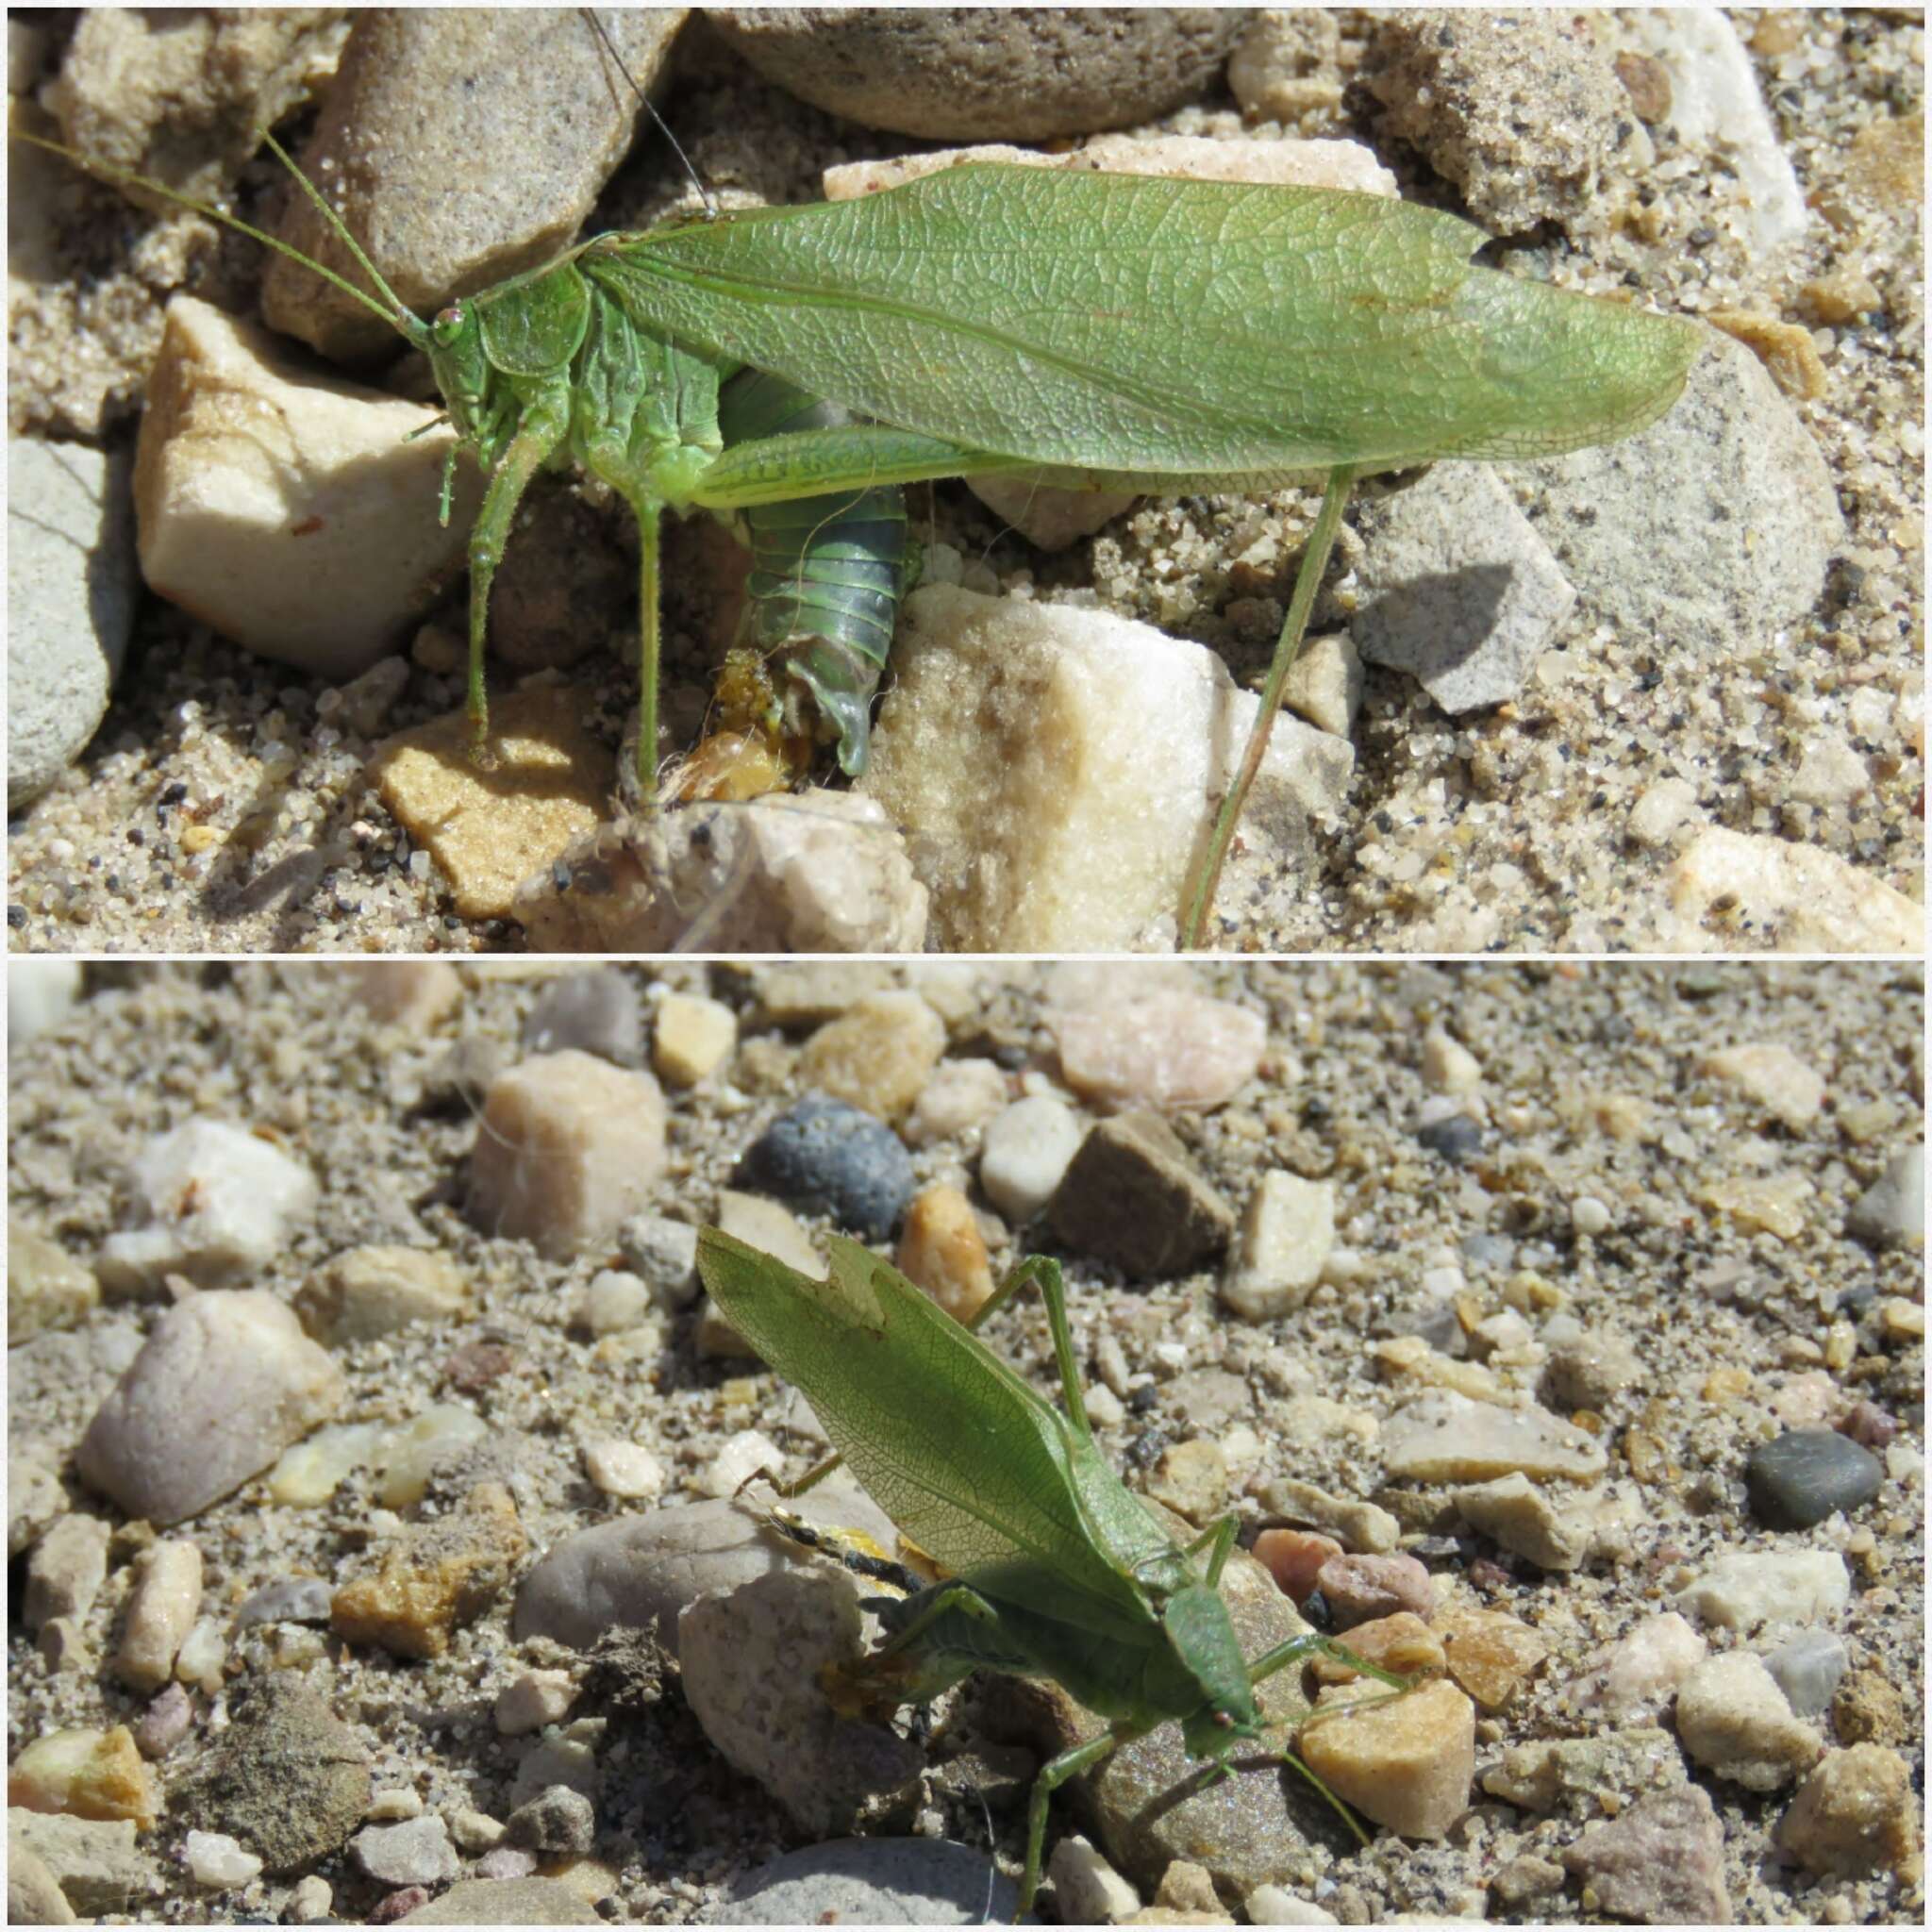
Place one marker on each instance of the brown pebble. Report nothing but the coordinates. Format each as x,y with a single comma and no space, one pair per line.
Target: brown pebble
1359,1589
1295,1558
1869,1710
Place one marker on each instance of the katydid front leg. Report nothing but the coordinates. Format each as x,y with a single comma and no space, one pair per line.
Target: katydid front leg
540,432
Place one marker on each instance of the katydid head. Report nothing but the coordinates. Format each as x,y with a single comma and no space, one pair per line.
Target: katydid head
1202,1638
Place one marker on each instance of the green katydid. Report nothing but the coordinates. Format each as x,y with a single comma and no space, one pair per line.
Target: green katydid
1056,1569
1083,330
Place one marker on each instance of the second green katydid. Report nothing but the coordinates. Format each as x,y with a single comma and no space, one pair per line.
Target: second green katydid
1084,330
1056,1569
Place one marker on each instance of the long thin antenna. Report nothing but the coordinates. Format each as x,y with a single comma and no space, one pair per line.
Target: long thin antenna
603,33
402,319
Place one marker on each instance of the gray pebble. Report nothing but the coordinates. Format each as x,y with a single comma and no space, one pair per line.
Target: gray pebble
1712,527
824,1157
665,1253
1456,1136
874,1881
416,1851
598,1013
1458,590
637,1569
225,1382
1891,1211
1807,1670
558,1823
987,73
415,142
70,587
1802,1477
287,1600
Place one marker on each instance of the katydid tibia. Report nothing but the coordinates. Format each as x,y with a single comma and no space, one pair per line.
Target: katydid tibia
1084,330
1054,1569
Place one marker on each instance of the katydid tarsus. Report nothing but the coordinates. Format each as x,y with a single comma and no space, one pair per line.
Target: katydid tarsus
1054,1569
1082,330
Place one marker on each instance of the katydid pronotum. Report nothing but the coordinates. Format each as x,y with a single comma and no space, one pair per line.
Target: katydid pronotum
1054,1569
1081,330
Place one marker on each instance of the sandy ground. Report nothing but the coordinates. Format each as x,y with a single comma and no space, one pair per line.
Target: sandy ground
284,1049
218,810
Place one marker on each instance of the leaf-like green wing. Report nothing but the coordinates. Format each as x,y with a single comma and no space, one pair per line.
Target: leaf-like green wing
953,1446
1130,324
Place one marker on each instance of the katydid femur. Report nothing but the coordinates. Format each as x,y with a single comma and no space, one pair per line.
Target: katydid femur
1056,1569
1083,330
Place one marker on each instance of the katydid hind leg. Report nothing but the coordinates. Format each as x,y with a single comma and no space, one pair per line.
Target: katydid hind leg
1198,900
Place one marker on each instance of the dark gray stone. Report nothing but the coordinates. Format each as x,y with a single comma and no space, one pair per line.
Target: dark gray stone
825,1158
1802,1477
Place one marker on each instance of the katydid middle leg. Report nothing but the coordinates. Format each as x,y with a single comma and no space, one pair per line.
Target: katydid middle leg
1051,1775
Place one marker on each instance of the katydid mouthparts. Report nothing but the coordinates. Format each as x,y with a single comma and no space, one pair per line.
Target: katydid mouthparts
1082,330
1054,1567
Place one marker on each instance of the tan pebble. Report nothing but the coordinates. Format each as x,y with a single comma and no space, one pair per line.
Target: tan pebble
1784,348
1724,1386
1448,1066
1190,1478
65,1572
160,1612
86,1773
1855,1814
412,993
488,826
877,1055
536,1699
1771,1074
1407,1762
1492,1656
569,1148
437,1575
368,1292
1768,1204
943,1250
1904,1321
692,1038
46,1288
1402,1642
1802,897
1186,1886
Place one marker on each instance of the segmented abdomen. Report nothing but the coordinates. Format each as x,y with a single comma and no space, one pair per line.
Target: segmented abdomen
828,571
